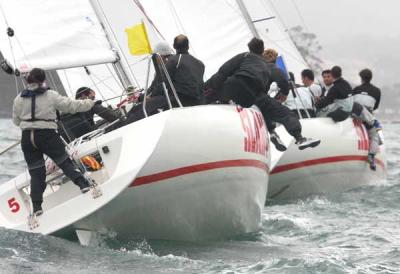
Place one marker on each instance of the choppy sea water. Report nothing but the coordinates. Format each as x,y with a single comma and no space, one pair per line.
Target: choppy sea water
352,232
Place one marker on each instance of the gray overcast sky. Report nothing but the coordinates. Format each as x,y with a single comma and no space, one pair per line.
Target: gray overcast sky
353,33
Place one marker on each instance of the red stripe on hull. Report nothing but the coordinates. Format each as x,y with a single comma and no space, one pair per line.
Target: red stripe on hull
198,168
321,161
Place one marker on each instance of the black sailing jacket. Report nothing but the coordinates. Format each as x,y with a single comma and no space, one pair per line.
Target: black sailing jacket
251,66
341,89
187,74
371,90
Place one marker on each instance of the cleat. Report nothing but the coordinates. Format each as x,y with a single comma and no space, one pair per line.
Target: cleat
277,141
304,143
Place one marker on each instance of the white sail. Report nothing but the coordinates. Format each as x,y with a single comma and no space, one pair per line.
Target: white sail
52,34
215,28
218,30
274,34
117,19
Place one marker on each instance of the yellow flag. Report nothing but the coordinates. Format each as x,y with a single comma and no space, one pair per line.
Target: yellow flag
138,41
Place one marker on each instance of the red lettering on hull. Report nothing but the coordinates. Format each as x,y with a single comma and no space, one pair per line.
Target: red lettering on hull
363,139
255,133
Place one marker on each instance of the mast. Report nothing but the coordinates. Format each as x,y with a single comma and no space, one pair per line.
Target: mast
247,17
121,66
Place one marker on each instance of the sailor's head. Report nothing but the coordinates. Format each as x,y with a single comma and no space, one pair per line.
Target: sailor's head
307,77
36,76
85,93
327,77
366,75
181,44
164,50
270,55
256,46
336,72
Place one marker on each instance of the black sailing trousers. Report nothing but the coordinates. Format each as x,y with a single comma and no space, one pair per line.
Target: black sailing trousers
241,90
35,143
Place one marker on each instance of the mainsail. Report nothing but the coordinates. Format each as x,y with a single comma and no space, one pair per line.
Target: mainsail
52,34
218,30
117,21
272,31
215,28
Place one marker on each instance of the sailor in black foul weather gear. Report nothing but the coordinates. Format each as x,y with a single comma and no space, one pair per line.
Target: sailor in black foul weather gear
339,100
245,79
186,73
74,125
369,96
34,111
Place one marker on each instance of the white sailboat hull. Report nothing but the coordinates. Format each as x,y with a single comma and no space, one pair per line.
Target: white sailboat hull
338,164
185,174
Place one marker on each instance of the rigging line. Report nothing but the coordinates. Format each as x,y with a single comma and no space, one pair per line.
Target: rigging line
53,82
114,77
19,44
106,85
88,73
275,10
12,51
140,6
175,17
68,83
178,22
100,81
300,15
263,19
296,58
285,30
85,122
304,25
115,37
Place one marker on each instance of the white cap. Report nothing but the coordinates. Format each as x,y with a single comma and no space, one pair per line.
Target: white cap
163,48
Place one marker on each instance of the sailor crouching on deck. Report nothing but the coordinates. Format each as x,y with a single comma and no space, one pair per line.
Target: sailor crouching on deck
34,111
245,79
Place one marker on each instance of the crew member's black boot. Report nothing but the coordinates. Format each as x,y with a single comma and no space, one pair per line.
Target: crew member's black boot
371,161
83,184
37,208
304,143
276,140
